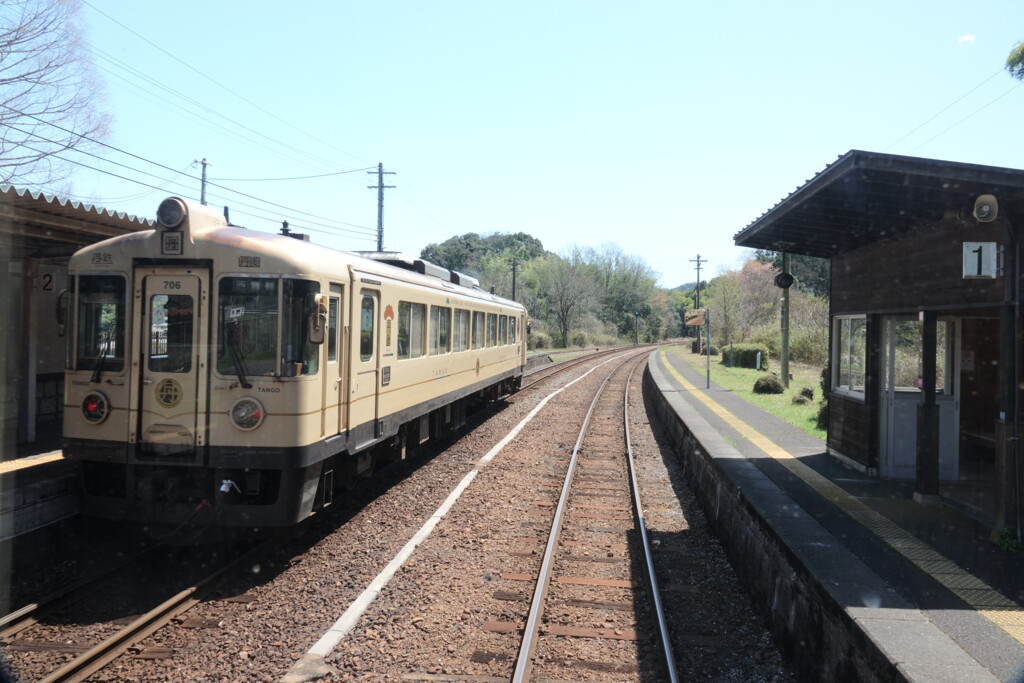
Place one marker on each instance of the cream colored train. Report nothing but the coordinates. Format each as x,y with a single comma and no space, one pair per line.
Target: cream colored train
222,375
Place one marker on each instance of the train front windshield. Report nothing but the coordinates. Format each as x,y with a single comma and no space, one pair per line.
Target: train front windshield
101,323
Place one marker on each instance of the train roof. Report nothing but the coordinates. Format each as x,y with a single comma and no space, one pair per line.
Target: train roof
200,232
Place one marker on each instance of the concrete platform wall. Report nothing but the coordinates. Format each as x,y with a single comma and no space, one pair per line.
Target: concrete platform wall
833,617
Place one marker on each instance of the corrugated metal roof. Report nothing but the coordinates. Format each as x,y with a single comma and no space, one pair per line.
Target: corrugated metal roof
864,197
43,225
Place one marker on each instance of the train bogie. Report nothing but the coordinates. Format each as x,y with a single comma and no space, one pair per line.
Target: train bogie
219,375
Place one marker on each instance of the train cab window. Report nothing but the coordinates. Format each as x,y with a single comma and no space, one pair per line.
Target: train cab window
492,329
503,330
299,356
478,330
440,330
461,330
247,326
367,318
100,341
170,333
412,320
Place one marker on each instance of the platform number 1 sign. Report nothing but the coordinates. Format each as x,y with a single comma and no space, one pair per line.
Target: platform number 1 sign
980,259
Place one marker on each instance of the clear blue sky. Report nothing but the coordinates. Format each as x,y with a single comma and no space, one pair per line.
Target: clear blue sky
663,127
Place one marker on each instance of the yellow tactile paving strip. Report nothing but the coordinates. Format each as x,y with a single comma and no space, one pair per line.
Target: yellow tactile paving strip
24,463
990,603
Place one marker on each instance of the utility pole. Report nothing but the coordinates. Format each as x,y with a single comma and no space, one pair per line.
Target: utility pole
380,187
514,264
698,261
202,187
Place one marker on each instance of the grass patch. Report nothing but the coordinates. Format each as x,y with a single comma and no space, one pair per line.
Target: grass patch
741,382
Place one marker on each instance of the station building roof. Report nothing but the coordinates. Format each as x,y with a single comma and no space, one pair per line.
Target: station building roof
33,224
864,197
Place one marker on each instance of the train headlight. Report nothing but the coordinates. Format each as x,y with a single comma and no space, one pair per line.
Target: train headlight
171,212
247,413
95,407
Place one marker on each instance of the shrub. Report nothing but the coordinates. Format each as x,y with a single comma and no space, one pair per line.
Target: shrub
822,422
769,384
578,339
745,355
801,400
540,340
694,349
808,393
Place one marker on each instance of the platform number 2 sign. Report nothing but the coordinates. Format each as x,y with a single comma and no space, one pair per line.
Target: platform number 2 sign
980,259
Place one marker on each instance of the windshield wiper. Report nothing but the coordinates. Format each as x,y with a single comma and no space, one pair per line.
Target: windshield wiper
234,348
102,360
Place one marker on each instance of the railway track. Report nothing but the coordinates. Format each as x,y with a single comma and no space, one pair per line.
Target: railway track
596,567
556,369
79,652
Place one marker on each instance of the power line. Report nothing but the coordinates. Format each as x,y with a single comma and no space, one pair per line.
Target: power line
943,111
304,177
986,106
221,85
135,156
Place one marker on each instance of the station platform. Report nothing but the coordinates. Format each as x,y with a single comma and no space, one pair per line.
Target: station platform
857,580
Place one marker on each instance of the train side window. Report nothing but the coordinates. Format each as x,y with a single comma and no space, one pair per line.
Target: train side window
503,330
461,329
412,319
366,324
300,356
492,329
511,330
101,323
478,330
440,330
332,330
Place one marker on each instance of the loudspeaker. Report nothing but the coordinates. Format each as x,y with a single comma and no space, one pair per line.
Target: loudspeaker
986,208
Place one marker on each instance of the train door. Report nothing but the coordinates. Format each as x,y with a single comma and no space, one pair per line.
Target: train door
171,396
365,371
334,361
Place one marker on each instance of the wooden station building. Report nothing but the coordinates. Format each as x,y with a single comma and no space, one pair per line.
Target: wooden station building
925,311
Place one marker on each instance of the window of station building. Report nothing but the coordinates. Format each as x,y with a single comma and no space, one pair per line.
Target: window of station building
100,338
478,330
850,361
440,330
503,330
461,330
247,326
492,329
412,321
299,356
367,322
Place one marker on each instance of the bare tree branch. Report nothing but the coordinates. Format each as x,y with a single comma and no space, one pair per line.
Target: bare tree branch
46,81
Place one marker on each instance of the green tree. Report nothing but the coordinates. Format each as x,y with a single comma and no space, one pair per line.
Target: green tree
810,274
1015,61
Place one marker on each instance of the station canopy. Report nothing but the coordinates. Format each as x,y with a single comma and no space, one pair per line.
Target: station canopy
36,225
864,197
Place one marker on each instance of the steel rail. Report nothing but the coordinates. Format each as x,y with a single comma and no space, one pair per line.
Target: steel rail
113,647
666,642
524,662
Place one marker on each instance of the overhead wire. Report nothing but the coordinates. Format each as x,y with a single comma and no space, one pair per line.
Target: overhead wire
222,86
135,156
976,111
